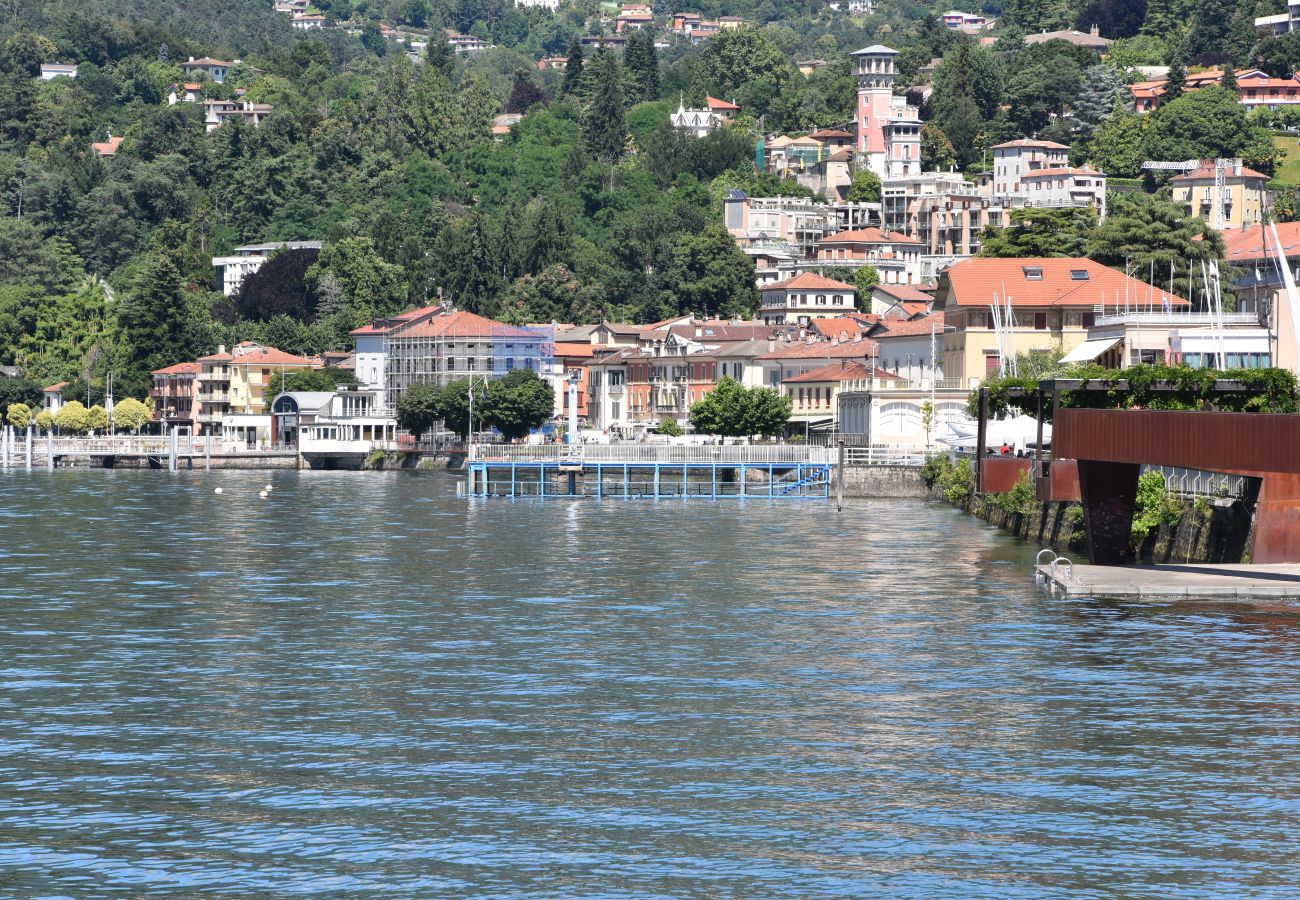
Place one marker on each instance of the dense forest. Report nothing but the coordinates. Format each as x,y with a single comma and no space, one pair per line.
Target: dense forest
591,207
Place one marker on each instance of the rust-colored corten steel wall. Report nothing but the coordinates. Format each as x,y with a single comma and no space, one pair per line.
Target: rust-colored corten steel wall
1060,482
1112,444
1000,473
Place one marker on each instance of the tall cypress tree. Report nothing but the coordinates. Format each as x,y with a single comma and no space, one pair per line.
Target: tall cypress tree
1177,79
604,132
641,61
1229,79
573,67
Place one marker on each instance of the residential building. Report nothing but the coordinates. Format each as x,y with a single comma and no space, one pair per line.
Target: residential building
912,347
855,7
51,71
635,388
633,17
215,69
609,41
1255,89
218,112
689,25
186,92
466,43
805,297
790,222
175,394
1053,304
889,130
1092,40
1227,196
1013,160
814,395
239,383
290,7
1281,23
245,260
559,63
52,399
895,256
332,429
787,358
451,345
699,122
944,212
1260,289
969,23
1065,187
549,5
305,22
900,301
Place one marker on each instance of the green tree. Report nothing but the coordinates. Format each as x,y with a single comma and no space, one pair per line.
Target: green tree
453,405
19,415
708,275
732,410
1153,237
1176,80
97,419
604,131
1118,143
670,428
518,402
130,414
641,63
744,65
1211,26
155,318
573,68
1201,125
44,420
417,409
1040,232
1102,86
865,280
364,286
937,152
72,417
865,188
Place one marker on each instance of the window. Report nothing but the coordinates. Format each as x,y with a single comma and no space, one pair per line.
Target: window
1078,274
1089,319
1033,273
1040,321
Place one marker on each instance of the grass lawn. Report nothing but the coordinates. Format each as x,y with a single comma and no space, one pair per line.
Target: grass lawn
1289,169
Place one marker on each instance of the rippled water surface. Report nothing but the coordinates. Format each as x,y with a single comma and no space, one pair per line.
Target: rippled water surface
366,686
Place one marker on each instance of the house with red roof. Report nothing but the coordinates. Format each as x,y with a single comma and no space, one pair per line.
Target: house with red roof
894,255
1012,160
175,393
1065,186
1241,202
236,387
1053,302
799,300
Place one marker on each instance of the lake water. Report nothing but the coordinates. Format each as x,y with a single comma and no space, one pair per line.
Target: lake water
366,686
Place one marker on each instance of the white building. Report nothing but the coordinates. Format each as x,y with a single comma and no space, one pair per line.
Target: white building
1014,160
550,5
372,347
304,22
332,429
1282,23
232,270
699,122
215,69
218,112
1065,187
798,300
889,130
51,71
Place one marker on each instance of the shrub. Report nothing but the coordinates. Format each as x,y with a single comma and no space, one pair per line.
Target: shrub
1020,499
935,469
1155,506
959,484
670,428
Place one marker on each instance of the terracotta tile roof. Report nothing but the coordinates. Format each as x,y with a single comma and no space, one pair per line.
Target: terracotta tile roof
904,292
829,134
57,386
1206,171
183,368
204,62
868,236
908,309
462,324
858,348
715,103
975,282
807,281
268,356
383,326
840,372
1025,143
896,328
572,348
714,331
841,328
108,147
1249,243
216,357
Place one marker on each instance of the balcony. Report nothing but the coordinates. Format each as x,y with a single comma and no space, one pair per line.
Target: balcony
214,397
215,375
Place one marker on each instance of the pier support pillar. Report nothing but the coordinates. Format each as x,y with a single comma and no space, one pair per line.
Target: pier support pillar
1109,492
29,448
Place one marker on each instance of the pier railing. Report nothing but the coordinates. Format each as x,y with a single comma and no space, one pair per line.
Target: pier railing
702,454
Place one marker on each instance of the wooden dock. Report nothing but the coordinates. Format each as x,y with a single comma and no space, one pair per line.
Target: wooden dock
1172,580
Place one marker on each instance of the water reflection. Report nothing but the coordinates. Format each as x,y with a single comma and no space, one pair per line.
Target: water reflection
364,685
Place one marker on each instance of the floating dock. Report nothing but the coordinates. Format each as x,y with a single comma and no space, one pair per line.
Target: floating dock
1174,580
651,471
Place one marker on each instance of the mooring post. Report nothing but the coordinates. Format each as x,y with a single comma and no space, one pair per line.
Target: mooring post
49,450
29,448
839,477
171,450
981,433
207,451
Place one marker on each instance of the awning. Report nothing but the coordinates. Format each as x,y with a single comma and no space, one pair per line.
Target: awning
1089,350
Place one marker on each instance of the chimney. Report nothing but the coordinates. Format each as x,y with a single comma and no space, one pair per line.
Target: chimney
699,331
771,344
1094,31
221,349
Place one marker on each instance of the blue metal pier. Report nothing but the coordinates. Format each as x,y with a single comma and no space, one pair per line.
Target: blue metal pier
640,471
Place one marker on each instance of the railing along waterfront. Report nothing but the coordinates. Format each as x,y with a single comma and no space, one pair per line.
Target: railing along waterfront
884,455
703,454
875,385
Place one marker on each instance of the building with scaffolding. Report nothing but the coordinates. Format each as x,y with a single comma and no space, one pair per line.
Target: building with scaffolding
440,349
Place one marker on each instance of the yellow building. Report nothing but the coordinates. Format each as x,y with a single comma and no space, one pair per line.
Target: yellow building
1053,303
238,382
1243,195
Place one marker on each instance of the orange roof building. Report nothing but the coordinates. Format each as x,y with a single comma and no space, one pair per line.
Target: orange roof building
799,300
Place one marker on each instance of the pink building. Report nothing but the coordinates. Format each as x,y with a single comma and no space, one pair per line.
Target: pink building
889,130
175,394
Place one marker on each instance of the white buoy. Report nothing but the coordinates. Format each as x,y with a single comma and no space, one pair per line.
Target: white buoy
217,491
262,494
267,489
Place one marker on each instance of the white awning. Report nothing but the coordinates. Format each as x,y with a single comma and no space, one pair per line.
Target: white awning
1089,350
